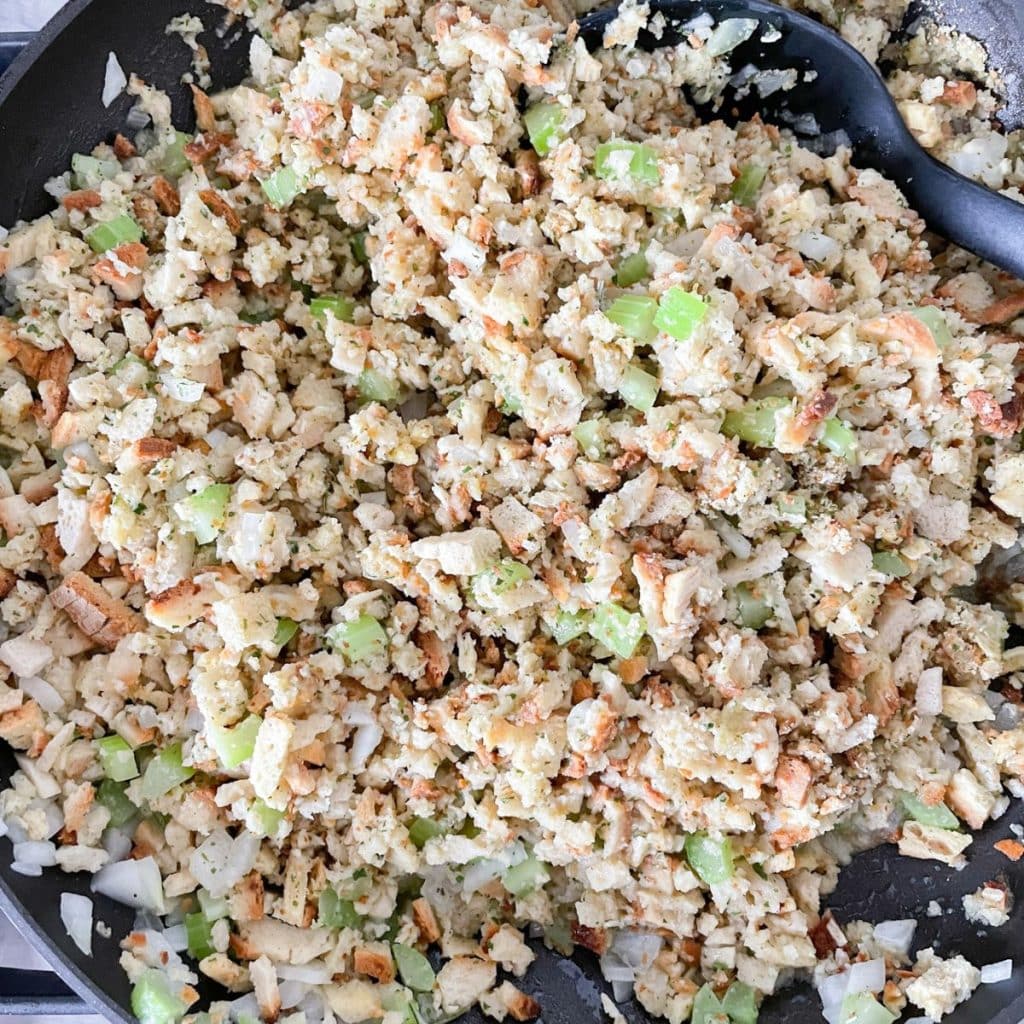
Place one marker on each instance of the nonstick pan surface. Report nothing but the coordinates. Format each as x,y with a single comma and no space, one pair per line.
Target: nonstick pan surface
50,108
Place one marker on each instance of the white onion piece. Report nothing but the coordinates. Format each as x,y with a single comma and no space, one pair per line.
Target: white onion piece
176,937
895,936
117,842
729,35
731,537
364,743
114,79
292,993
993,973
866,976
53,814
136,118
622,991
28,870
245,1006
42,693
636,948
136,883
928,699
76,916
613,969
17,832
316,972
816,245
222,862
46,785
39,852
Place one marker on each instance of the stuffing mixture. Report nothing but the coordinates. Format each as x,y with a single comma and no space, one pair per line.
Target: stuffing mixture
457,497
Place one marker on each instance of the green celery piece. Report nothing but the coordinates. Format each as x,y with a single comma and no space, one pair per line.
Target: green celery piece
286,629
936,815
569,625
740,1004
375,387
754,610
111,233
543,122
711,859
864,1008
154,1001
283,187
200,935
638,388
334,912
755,422
747,186
117,759
632,270
635,314
339,306
174,163
617,629
935,320
214,908
588,437
792,505
837,437
438,118
413,967
507,575
680,313
642,166
206,512
706,1008
164,773
424,829
890,564
89,171
526,876
267,817
235,745
111,795
358,246
359,639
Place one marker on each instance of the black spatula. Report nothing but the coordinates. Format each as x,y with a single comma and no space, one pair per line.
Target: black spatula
845,93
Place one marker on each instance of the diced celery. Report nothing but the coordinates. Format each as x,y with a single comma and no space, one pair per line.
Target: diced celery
375,387
739,1004
213,908
267,817
793,506
117,759
511,405
639,388
618,159
935,320
111,233
837,437
423,829
632,269
205,513
261,317
754,610
283,186
359,639
707,1009
154,1000
864,1008
936,815
112,796
543,123
747,186
755,422
617,629
558,935
164,772
358,245
890,564
89,171
334,912
413,967
526,876
199,932
341,307
506,575
710,858
174,162
286,629
588,437
569,625
635,315
354,888
438,118
235,745
680,313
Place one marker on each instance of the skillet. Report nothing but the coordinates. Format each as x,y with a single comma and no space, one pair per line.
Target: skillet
50,108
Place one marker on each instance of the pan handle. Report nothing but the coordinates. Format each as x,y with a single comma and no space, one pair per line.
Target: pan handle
11,44
37,993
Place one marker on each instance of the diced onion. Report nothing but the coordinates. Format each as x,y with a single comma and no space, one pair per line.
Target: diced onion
29,870
177,938
221,862
136,118
41,853
636,948
42,693
114,79
316,972
292,993
928,699
895,936
729,34
866,976
136,883
816,245
622,990
76,916
993,973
